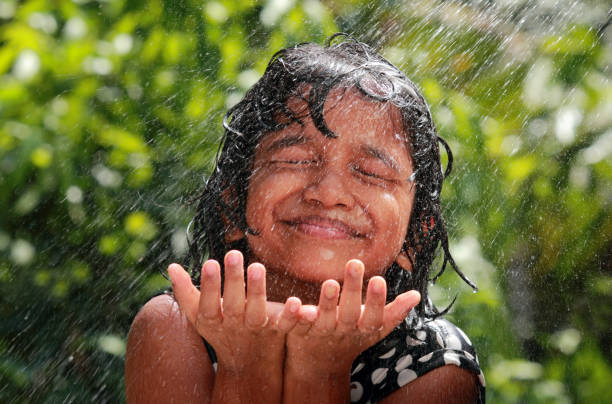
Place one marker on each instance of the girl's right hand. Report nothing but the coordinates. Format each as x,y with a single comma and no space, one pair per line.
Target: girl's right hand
246,331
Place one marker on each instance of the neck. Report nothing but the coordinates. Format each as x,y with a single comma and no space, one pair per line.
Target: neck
280,286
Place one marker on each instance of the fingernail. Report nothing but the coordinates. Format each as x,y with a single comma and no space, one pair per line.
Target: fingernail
293,306
209,268
378,285
172,272
255,273
355,269
233,258
330,291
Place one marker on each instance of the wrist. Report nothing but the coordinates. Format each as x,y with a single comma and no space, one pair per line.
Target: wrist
249,380
311,368
308,363
316,382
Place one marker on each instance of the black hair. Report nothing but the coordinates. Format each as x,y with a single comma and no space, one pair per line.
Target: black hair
345,63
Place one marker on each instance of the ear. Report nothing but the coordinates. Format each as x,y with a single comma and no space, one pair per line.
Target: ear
232,233
403,259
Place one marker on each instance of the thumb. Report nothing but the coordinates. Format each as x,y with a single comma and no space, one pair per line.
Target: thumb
396,311
187,295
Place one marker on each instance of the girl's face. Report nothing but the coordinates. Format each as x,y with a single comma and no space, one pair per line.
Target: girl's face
318,202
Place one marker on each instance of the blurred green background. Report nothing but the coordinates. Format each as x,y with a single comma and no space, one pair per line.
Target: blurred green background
110,113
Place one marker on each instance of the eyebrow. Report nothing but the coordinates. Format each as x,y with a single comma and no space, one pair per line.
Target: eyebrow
298,139
286,141
382,156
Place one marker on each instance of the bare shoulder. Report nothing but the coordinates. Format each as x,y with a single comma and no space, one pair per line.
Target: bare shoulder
166,359
460,387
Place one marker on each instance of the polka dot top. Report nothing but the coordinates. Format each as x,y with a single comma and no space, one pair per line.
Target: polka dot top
410,352
406,353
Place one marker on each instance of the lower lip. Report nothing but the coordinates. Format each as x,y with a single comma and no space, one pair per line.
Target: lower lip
324,232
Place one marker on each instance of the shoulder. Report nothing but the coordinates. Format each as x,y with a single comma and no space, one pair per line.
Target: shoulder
161,310
460,387
157,324
166,359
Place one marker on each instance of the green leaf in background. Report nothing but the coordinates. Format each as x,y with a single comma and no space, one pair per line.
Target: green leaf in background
110,115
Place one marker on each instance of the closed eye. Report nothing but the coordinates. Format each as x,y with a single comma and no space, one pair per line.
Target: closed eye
293,162
371,174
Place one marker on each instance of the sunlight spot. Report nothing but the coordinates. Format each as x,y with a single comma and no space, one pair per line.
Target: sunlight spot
27,65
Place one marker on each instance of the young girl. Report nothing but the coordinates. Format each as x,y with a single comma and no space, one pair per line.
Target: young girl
327,187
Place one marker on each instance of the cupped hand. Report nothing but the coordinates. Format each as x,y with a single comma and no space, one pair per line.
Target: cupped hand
331,335
242,326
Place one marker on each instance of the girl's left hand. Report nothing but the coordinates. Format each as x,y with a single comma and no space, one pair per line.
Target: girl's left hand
330,336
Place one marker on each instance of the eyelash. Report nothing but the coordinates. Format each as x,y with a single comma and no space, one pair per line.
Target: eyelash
369,175
292,161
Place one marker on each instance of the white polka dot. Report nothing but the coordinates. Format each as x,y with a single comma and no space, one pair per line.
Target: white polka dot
468,355
421,335
379,375
356,391
481,379
403,362
358,368
452,342
425,358
412,342
406,376
388,354
439,339
451,359
464,335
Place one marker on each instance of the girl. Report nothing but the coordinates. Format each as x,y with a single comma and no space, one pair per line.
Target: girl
329,176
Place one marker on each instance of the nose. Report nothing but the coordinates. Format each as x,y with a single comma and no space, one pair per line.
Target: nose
329,188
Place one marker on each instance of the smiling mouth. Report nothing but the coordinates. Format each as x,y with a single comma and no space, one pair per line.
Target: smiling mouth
324,228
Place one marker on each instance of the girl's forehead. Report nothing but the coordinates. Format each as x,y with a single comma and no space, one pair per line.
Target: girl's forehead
352,117
347,105
354,109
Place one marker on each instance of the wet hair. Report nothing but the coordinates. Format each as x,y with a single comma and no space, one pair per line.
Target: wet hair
342,63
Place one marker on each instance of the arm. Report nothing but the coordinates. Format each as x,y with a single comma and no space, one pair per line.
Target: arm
448,384
166,360
247,332
328,338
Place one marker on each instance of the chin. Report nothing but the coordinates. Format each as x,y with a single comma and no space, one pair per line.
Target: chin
318,272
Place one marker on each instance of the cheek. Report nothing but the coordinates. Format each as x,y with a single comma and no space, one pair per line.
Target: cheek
266,193
394,215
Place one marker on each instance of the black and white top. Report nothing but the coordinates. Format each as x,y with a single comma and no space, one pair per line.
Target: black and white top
408,352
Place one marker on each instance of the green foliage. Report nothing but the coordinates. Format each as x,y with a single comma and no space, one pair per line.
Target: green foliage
110,114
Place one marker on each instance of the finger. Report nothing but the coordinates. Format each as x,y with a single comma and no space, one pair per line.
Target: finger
255,314
328,307
350,299
185,293
308,315
372,317
396,311
209,308
233,288
290,315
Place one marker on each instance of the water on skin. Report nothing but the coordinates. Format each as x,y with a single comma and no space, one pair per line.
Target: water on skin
326,254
